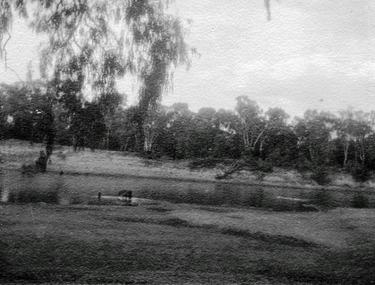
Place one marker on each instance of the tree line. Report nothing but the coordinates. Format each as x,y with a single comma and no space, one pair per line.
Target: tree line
58,113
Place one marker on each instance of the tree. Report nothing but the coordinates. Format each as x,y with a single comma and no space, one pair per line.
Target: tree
345,127
353,127
228,139
314,133
94,125
108,104
20,111
109,38
362,131
42,106
252,124
4,113
114,37
123,131
155,124
174,139
279,144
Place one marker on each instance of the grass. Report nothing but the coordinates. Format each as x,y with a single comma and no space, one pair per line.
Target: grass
86,241
14,153
274,239
138,245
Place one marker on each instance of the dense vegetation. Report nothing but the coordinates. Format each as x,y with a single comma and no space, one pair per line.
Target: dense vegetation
40,112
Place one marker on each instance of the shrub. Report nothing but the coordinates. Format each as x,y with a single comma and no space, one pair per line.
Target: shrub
208,162
302,164
360,200
359,172
323,198
320,175
265,166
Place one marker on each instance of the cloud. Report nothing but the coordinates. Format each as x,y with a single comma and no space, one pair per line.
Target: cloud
366,69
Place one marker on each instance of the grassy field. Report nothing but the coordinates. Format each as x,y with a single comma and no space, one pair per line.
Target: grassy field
14,153
162,243
158,242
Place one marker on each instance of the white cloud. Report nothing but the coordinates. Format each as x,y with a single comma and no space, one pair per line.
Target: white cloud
311,49
366,69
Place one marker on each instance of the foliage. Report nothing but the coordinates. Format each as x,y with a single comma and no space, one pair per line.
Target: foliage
320,175
323,198
360,200
265,166
208,163
314,132
252,125
93,43
59,112
359,172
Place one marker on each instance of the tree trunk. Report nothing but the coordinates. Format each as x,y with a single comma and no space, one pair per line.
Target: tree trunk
362,154
50,134
346,150
107,138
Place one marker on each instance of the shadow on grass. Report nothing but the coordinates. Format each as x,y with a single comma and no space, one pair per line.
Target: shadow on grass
173,222
4,263
351,267
76,208
214,209
275,239
33,196
61,260
159,209
27,259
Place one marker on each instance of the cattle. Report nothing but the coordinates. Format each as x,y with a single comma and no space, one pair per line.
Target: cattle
125,195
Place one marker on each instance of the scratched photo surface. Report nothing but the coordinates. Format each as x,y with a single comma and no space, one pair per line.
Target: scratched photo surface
187,142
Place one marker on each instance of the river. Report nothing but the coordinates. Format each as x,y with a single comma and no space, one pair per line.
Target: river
81,189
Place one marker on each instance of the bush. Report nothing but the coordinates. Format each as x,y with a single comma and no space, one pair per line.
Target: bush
360,200
302,164
208,163
320,175
265,166
323,198
359,172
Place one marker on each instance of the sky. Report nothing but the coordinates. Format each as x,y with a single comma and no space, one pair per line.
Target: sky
315,54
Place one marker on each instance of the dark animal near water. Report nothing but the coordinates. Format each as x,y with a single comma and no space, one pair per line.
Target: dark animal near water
39,166
125,194
41,162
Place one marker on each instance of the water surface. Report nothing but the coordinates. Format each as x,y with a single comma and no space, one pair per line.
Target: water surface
83,189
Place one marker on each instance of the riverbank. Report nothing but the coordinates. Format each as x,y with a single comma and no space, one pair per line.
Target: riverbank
77,239
14,153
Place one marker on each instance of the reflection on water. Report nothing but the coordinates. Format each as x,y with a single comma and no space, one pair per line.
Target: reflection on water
16,188
83,189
